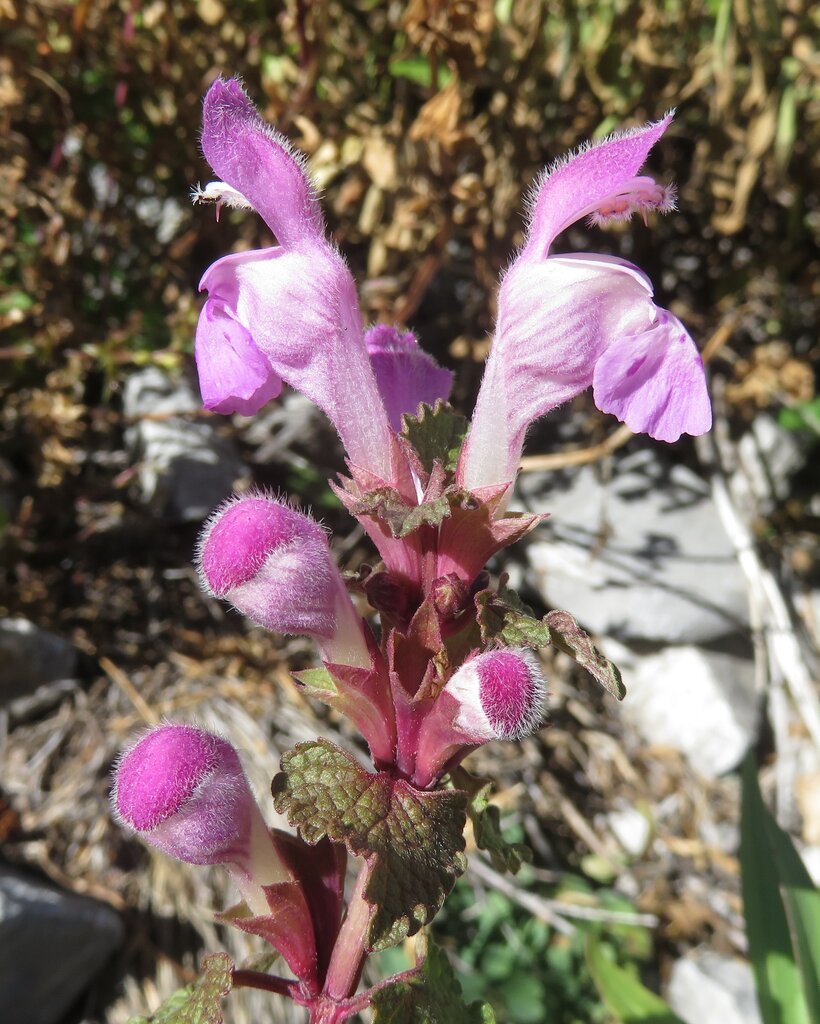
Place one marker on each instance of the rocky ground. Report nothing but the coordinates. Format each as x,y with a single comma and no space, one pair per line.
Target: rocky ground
694,566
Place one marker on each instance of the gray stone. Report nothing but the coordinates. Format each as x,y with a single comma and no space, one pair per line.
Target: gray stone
53,945
769,456
632,828
642,557
185,467
31,657
705,988
697,701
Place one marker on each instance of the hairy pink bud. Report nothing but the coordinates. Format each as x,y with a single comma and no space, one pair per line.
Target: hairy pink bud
274,565
499,695
183,790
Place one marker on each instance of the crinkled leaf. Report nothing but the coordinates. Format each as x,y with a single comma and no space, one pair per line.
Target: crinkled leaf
504,618
413,840
768,860
201,1002
568,637
629,1000
433,997
437,433
486,820
401,518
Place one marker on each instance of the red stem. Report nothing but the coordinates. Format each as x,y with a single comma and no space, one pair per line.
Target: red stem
350,951
267,982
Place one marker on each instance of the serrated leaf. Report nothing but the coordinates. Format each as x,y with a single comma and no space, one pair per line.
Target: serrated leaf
486,819
568,637
504,618
434,997
768,861
201,1002
401,518
624,995
437,433
412,839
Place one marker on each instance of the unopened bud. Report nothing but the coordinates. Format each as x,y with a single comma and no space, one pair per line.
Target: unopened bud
274,565
183,790
499,695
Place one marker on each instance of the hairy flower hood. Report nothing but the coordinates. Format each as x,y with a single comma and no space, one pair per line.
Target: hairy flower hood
288,313
569,322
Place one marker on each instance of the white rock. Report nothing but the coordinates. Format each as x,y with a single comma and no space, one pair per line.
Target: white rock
693,700
705,988
631,828
644,557
185,467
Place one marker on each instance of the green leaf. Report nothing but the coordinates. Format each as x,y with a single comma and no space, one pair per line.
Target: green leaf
625,996
434,997
505,619
486,821
201,1002
402,519
769,861
15,302
568,637
412,840
803,913
418,70
437,433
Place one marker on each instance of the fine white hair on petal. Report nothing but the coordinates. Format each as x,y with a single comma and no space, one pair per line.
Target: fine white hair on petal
531,195
282,141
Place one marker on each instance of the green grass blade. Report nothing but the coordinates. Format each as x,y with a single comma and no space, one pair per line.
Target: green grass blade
803,913
767,861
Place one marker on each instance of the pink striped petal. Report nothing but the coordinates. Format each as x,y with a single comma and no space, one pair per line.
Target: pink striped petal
405,373
654,382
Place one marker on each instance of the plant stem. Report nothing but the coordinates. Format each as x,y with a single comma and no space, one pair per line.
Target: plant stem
267,982
350,950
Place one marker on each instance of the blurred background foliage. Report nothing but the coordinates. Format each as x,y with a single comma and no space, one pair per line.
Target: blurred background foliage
424,123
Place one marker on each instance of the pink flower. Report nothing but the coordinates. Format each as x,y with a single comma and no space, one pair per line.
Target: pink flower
405,373
275,566
567,322
288,313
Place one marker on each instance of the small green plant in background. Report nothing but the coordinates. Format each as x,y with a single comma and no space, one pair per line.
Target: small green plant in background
782,911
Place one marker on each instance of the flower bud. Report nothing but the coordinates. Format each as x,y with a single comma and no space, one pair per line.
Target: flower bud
274,565
498,695
183,790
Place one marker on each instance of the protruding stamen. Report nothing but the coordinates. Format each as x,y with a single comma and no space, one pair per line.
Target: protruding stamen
640,195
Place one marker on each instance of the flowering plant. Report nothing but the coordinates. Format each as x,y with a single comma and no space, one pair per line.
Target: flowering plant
453,663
